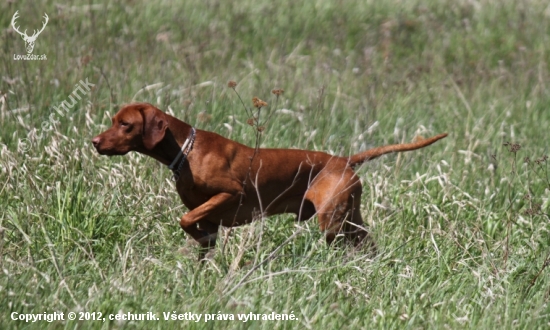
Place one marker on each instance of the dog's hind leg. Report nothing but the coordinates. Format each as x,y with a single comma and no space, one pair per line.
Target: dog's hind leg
337,199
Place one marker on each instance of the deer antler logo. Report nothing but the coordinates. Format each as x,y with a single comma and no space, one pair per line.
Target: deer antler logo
29,41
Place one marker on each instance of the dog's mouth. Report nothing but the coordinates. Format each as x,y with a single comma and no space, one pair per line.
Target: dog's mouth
109,151
102,149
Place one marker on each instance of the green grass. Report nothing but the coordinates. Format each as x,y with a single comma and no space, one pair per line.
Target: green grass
460,244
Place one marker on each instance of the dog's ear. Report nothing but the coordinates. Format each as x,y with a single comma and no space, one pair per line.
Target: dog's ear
154,126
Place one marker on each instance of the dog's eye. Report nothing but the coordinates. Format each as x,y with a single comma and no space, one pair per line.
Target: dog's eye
127,127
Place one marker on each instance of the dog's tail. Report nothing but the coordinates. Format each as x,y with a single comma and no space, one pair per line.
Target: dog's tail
379,151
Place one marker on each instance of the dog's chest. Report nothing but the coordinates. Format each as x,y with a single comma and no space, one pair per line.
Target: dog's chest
189,194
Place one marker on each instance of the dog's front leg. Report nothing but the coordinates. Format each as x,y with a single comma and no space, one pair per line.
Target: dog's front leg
203,231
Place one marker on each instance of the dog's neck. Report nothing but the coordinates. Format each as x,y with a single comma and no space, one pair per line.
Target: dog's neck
169,147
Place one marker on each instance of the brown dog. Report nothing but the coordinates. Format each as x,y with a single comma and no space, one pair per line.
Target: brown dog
223,182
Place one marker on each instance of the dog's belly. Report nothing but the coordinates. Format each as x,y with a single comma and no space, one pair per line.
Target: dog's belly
248,212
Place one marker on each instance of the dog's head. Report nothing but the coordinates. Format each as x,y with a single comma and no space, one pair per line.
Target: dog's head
136,127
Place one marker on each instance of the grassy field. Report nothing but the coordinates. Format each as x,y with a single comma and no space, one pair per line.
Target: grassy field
462,227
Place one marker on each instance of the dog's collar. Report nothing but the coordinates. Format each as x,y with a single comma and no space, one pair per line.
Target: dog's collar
184,151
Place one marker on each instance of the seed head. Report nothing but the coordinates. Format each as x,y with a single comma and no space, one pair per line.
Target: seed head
258,103
512,147
232,84
278,92
541,160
